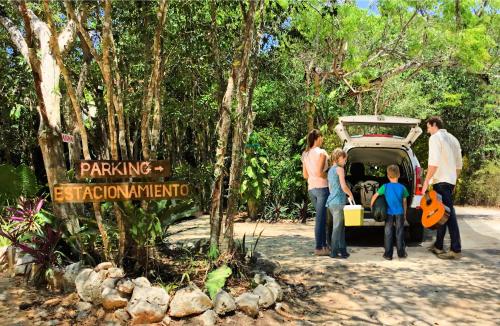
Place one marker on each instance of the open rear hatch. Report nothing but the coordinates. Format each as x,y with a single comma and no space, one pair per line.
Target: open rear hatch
378,131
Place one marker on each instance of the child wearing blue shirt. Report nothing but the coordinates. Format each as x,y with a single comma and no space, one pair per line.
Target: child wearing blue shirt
395,196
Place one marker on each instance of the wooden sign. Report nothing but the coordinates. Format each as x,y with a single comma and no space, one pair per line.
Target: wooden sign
122,169
97,192
66,138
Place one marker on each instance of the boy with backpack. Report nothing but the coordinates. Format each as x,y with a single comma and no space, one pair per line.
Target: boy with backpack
395,196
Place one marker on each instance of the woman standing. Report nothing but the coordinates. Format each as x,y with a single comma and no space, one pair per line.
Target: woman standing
336,202
314,165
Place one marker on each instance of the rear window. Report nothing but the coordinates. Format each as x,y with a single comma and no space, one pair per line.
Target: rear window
394,131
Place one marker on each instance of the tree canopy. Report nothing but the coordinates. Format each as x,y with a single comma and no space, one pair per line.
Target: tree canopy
226,91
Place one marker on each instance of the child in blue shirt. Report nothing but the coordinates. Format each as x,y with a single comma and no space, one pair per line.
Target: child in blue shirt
395,196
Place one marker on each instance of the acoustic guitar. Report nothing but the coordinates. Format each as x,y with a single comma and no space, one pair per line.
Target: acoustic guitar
435,213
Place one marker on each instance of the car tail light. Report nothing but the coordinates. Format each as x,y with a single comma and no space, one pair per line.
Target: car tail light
418,180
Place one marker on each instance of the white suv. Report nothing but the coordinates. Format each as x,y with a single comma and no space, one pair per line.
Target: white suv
373,142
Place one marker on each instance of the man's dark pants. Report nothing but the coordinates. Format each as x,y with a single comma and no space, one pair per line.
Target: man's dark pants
446,191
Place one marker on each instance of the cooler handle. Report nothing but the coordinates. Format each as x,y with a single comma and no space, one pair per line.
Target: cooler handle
351,202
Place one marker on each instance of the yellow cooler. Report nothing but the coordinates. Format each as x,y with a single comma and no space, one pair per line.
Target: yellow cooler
353,215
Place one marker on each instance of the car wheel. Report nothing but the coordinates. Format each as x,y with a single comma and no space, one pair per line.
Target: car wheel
416,232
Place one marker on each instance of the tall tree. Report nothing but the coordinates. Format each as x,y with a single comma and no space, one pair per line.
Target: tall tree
46,75
154,84
239,76
75,103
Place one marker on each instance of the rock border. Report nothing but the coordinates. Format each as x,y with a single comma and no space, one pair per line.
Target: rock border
106,289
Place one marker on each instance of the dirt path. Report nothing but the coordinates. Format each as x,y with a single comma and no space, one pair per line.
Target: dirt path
363,290
21,305
368,290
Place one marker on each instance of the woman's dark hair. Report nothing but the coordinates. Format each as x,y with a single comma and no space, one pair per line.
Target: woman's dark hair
311,138
436,121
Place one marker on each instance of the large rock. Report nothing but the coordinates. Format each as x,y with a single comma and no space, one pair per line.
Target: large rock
125,286
258,278
142,281
224,303
109,283
111,299
22,264
189,301
208,318
88,285
266,297
103,266
70,273
248,303
148,304
115,272
276,290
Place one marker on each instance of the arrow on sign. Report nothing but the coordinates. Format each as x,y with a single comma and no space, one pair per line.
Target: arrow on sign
159,168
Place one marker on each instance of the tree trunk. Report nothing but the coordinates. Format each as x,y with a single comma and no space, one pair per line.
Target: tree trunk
154,81
156,126
253,208
108,79
118,103
239,127
458,15
49,137
222,139
78,114
214,43
317,90
309,106
55,167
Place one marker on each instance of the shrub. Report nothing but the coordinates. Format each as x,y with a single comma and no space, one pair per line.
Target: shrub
16,182
481,187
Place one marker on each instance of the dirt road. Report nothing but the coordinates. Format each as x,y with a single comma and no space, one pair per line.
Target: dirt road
368,290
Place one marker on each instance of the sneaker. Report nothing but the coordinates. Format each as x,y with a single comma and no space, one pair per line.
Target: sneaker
387,257
450,255
436,251
403,256
345,255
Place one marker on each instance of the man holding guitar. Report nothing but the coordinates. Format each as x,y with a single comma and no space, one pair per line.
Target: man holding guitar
445,163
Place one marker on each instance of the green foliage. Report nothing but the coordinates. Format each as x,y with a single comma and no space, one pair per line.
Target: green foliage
4,242
27,181
11,189
480,187
254,173
200,179
17,182
277,210
458,80
213,253
146,226
216,280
